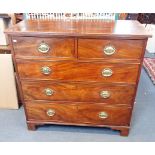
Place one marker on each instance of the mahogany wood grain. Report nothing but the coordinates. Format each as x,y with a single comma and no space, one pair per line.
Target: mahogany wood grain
28,47
94,48
76,60
80,28
79,113
79,92
117,115
63,112
74,71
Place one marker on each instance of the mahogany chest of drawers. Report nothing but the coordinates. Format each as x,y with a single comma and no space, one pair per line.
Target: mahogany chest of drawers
78,72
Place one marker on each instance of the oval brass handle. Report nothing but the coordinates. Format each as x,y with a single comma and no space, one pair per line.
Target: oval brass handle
50,112
107,72
105,94
43,47
109,50
45,70
48,91
103,115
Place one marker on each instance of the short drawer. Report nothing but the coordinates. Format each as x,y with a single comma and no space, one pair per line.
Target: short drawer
51,112
78,71
95,114
99,114
79,92
43,47
100,48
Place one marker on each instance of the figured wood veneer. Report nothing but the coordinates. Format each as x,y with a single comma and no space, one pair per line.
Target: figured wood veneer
79,113
78,71
81,92
77,59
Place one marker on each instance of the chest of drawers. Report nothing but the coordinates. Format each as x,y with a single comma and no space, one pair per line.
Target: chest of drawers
78,72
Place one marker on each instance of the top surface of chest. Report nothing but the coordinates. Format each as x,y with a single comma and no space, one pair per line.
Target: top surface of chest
82,28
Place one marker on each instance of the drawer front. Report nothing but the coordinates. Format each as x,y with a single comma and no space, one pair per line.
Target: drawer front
100,114
95,114
74,71
51,112
110,94
43,47
121,49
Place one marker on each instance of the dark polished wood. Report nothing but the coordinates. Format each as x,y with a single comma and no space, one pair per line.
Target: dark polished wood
79,113
117,115
76,60
78,71
81,92
80,28
28,47
124,49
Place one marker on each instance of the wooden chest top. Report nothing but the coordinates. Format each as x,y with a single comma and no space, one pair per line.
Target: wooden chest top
89,28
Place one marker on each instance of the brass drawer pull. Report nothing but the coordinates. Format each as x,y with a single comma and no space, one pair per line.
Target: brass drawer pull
48,91
105,94
107,72
103,115
109,50
46,70
50,112
43,47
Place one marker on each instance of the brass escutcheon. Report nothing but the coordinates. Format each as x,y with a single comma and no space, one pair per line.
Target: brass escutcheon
49,91
45,70
50,112
109,50
103,115
105,94
43,47
107,72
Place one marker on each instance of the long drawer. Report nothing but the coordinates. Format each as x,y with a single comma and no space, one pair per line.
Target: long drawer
95,114
101,48
43,47
79,92
78,71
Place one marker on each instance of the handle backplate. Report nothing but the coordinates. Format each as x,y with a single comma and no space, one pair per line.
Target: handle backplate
109,50
103,115
43,47
105,94
48,92
50,112
46,70
107,72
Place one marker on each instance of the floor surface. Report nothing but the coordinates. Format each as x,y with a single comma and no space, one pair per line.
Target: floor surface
13,126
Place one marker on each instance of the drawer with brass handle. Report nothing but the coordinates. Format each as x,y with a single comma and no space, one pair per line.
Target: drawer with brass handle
45,111
102,48
102,114
43,47
82,113
78,71
82,92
